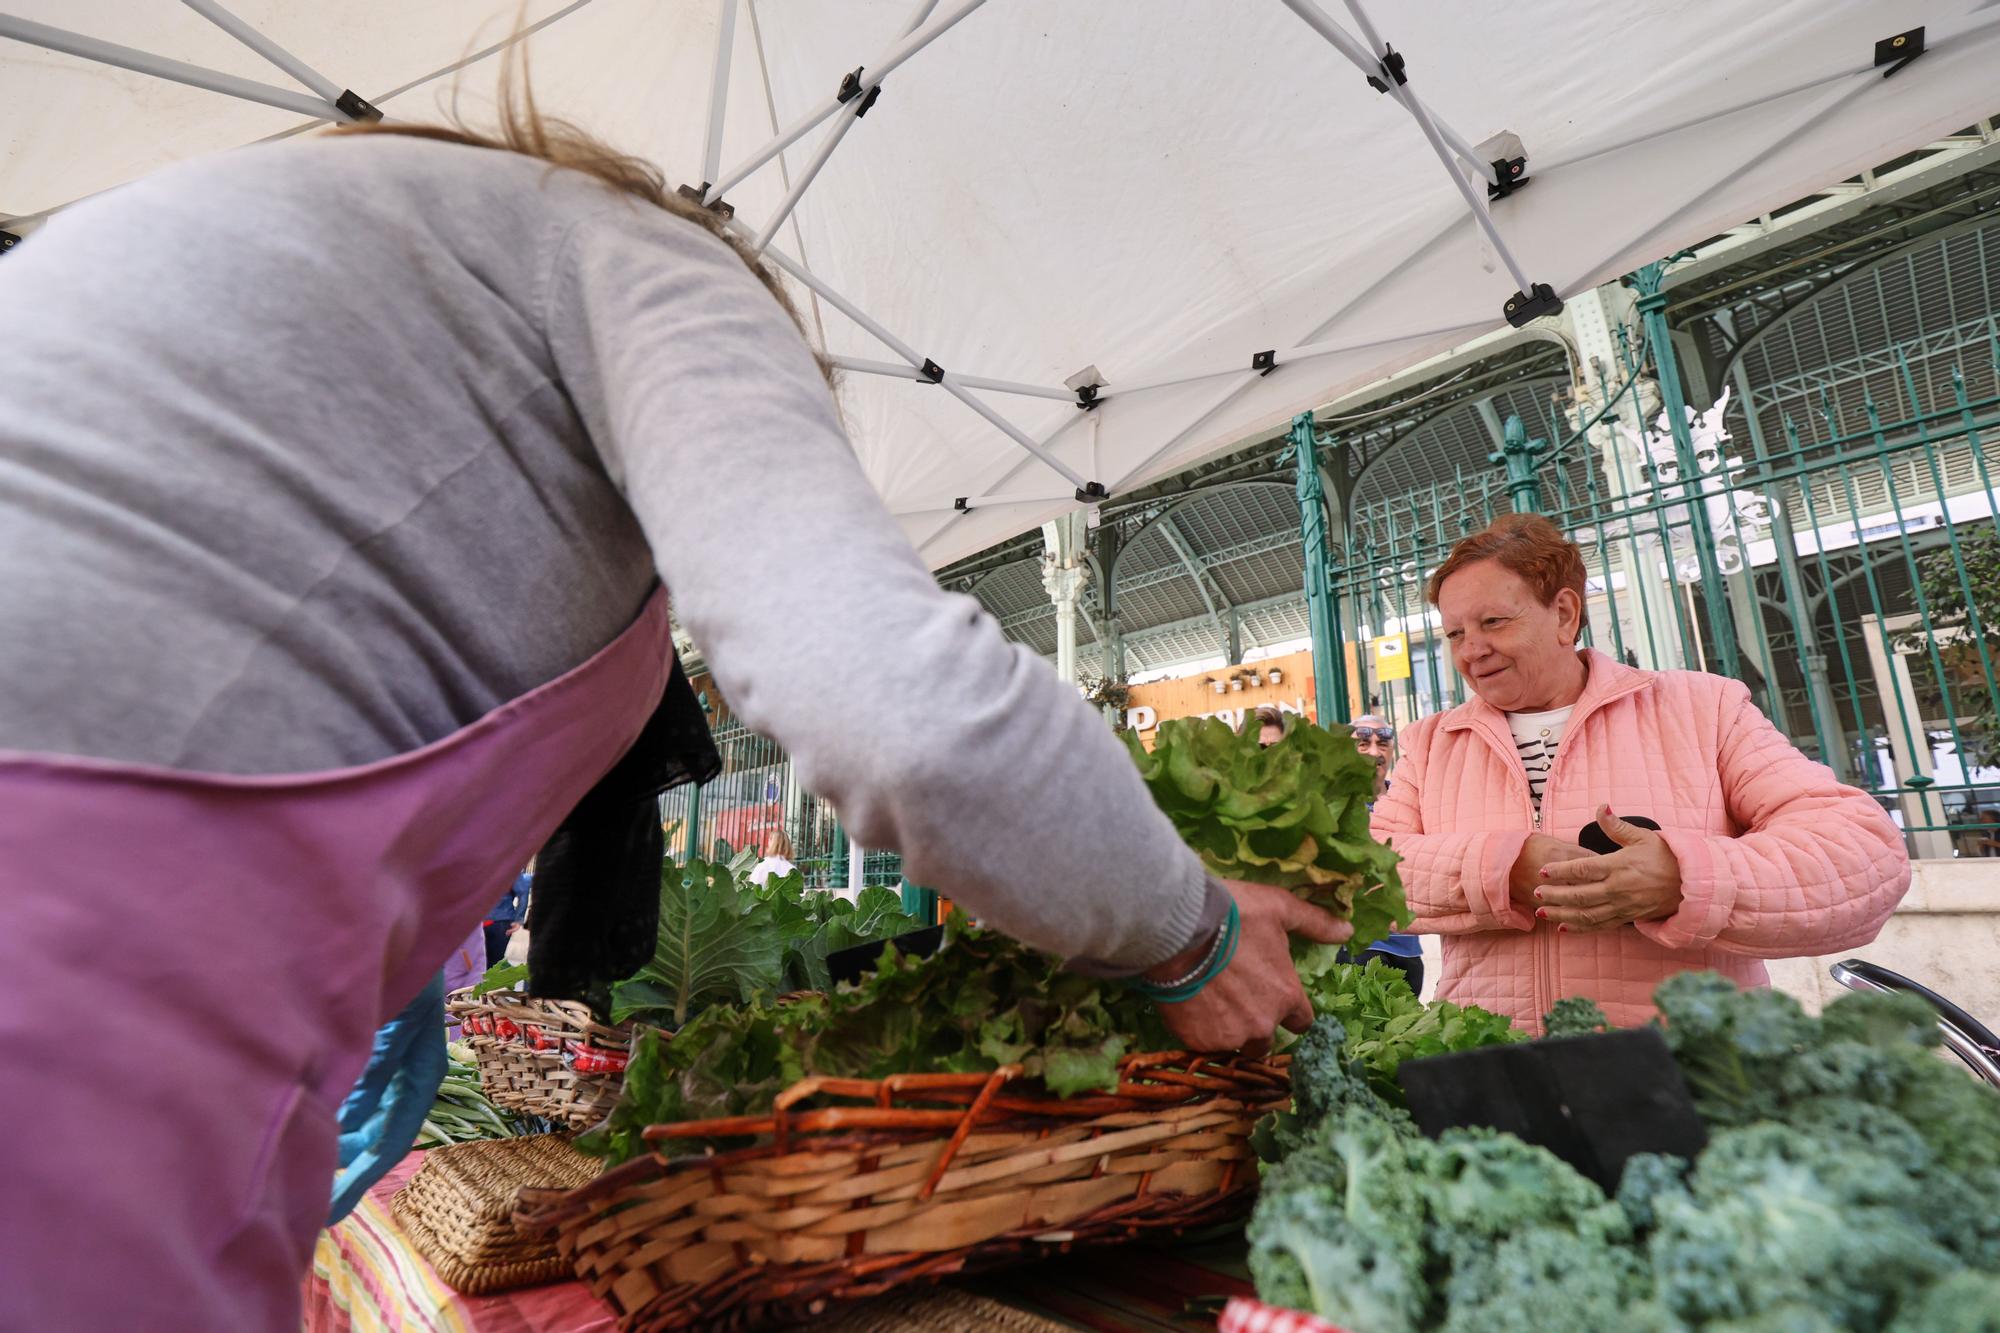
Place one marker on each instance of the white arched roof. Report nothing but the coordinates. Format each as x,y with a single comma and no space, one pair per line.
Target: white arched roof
1159,189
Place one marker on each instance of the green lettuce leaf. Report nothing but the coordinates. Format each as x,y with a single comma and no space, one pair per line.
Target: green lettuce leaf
1294,815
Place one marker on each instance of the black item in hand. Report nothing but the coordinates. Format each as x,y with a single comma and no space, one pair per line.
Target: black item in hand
1593,838
1593,1101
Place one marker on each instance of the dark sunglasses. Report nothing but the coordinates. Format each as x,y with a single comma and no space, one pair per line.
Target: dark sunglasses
1383,734
1593,838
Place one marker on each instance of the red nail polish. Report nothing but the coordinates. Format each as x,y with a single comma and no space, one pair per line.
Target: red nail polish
1560,930
1543,872
1541,914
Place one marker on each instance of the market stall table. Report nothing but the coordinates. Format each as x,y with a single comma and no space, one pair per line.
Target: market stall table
367,1276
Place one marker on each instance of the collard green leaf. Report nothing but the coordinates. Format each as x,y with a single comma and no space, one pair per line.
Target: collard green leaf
713,947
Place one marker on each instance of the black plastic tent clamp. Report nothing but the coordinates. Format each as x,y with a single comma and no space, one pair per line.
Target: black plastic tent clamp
1264,362
1538,300
932,371
1091,492
961,506
8,240
1391,67
850,86
868,101
1898,51
1086,398
1509,175
356,107
700,192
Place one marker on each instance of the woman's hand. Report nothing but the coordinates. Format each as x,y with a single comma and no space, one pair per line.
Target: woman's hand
1259,991
1641,881
1537,853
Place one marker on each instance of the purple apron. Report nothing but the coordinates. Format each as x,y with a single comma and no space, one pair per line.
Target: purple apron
193,967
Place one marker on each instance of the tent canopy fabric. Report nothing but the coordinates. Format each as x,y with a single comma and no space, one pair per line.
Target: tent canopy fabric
1156,189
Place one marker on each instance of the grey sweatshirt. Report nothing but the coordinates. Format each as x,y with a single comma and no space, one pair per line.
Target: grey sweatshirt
313,453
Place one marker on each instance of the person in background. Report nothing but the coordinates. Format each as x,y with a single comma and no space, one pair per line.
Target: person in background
777,858
1755,851
1376,739
466,965
509,915
1270,724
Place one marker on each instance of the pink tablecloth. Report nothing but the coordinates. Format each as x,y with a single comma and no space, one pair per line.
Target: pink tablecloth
367,1277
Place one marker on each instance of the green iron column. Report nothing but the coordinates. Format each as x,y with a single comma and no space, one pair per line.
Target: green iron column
1322,599
836,871
1647,282
694,844
1519,454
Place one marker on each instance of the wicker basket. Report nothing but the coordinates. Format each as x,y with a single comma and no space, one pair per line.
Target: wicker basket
458,1210
545,1058
933,1175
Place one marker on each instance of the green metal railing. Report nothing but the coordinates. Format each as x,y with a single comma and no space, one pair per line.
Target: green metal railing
757,792
1848,571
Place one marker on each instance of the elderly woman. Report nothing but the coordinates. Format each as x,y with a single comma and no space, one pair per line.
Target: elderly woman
1760,852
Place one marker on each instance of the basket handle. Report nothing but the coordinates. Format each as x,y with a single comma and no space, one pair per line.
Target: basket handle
999,1077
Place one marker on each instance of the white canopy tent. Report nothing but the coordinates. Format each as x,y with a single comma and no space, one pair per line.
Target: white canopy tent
1200,206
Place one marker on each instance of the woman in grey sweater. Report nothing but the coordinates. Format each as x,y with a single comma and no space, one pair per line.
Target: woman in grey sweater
337,478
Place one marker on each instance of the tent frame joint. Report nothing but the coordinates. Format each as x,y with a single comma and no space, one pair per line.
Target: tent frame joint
1509,174
1264,362
931,371
357,108
1391,67
1525,307
1899,50
1086,398
696,195
1091,492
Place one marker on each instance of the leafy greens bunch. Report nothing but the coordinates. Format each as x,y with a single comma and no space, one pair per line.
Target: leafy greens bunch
1387,1024
1294,815
980,1002
1847,1185
723,940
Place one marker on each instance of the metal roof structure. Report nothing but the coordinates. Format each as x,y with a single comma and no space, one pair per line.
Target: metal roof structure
1816,297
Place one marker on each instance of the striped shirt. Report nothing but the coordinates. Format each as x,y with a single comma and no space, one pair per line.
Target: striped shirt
1536,736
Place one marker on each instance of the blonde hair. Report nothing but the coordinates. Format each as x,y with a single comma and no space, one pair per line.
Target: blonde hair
778,843
523,129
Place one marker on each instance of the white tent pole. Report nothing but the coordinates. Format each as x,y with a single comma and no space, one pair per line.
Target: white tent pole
306,75
966,502
889,369
160,67
1322,23
1474,199
848,115
909,354
851,111
870,77
1303,352
718,91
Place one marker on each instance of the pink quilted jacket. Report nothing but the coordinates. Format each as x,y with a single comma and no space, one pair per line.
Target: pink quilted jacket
1777,858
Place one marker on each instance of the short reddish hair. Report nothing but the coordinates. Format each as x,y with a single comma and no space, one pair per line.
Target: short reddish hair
1528,545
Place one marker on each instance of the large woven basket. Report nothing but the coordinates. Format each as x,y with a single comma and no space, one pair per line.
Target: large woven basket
928,1176
546,1058
459,1210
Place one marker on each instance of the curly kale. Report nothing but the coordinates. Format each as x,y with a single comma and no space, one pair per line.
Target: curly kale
1774,1218
1339,1225
1548,1278
1575,1016
1962,1303
1648,1179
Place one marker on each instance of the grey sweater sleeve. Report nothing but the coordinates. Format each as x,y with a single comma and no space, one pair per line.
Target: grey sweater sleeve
931,734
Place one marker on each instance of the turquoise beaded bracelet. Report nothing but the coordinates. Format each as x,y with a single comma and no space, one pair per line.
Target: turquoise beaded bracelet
1219,955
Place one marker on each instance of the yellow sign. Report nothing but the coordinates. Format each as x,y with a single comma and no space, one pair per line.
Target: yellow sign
1392,657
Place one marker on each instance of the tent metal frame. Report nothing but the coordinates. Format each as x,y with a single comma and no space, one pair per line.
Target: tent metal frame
1385,69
